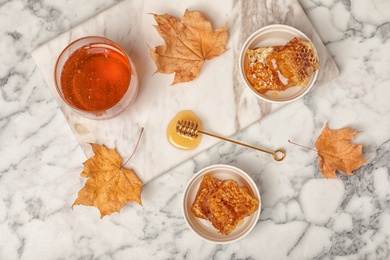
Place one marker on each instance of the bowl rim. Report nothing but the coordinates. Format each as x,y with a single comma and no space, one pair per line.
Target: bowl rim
267,29
193,181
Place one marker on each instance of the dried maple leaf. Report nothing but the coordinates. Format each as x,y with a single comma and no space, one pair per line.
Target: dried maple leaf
337,153
189,43
109,185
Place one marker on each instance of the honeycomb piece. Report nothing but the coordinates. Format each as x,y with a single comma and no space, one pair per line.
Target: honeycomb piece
208,185
228,205
280,67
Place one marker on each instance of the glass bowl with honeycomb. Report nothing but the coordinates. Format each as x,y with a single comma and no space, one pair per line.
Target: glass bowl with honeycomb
278,63
221,204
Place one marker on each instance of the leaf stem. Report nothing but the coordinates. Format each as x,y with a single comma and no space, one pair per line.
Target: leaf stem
136,146
303,146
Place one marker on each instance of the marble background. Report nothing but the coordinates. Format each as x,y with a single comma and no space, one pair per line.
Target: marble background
304,216
219,96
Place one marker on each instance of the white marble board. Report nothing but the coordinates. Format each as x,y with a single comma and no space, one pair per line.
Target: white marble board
218,95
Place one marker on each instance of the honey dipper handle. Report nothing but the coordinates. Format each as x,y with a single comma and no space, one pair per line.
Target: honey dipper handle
278,155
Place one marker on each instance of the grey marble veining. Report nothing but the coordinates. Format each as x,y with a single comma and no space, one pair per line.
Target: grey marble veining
219,96
304,216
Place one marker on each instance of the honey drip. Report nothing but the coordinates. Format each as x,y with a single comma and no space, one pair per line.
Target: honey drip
179,141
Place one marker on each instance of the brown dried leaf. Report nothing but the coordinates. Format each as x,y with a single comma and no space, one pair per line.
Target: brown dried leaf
109,185
337,153
189,43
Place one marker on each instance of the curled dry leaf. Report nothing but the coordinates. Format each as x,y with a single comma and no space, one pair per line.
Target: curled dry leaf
189,43
109,185
337,153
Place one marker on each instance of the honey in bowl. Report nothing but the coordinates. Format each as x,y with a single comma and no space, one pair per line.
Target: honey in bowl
179,141
94,76
224,203
277,68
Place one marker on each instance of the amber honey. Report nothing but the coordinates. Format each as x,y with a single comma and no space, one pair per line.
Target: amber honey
94,75
179,141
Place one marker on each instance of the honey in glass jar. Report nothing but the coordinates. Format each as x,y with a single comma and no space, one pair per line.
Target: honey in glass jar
95,77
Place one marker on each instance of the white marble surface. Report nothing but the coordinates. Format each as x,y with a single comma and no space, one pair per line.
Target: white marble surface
304,216
218,95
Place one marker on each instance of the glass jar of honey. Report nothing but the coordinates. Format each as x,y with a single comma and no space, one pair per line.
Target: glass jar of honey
95,77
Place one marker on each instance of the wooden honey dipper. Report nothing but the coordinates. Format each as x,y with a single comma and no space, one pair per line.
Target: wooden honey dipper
190,129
